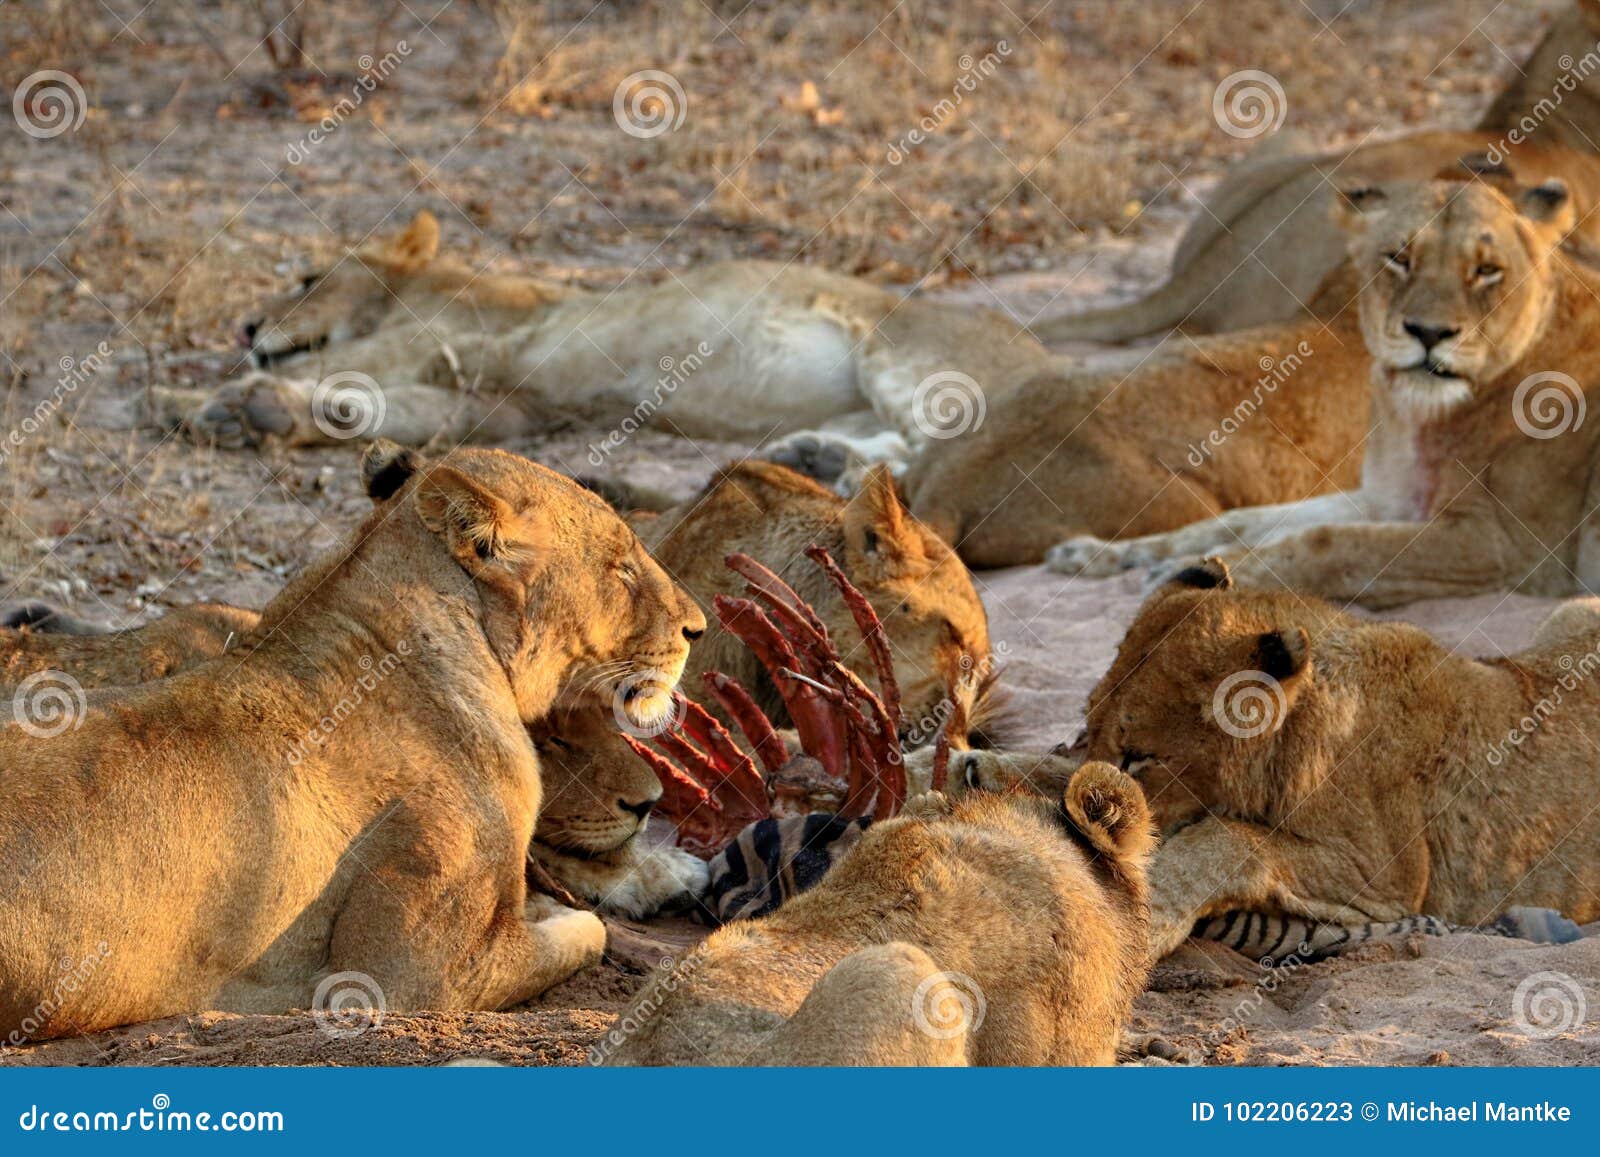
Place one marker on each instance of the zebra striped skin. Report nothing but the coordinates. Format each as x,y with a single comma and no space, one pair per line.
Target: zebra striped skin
775,859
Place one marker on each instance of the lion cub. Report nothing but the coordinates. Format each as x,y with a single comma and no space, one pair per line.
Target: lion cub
1304,762
1002,929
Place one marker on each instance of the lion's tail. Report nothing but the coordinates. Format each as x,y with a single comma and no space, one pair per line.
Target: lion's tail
48,620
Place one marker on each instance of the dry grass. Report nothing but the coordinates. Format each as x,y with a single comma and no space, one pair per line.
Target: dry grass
155,224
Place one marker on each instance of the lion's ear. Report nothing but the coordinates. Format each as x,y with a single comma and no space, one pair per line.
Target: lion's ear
1209,574
1284,654
473,522
386,467
1548,204
417,244
1355,202
877,529
1109,808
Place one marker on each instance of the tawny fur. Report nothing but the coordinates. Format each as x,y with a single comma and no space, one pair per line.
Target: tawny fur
218,845
1467,485
1029,908
1385,776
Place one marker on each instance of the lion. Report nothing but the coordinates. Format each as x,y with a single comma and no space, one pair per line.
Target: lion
399,341
937,629
1263,247
1301,761
597,794
1479,472
344,801
1269,415
1001,929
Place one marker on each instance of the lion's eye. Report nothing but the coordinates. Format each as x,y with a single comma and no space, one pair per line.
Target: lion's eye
1397,262
629,575
309,282
1487,274
1132,758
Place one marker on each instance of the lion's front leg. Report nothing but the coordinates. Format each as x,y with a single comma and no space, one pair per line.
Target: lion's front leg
1217,866
1385,564
1243,527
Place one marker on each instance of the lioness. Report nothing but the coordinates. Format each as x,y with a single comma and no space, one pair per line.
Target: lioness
1479,469
1263,245
1304,762
597,794
1001,929
353,790
938,630
738,349
1198,427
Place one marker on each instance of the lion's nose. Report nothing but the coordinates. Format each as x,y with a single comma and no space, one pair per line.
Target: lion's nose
1430,335
247,333
642,808
693,633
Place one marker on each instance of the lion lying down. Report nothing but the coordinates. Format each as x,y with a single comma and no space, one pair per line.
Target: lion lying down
1480,470
1305,763
1000,929
591,834
353,789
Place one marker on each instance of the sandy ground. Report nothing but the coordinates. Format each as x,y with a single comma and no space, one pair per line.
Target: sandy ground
155,224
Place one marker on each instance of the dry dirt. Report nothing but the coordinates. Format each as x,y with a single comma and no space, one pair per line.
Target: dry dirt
183,196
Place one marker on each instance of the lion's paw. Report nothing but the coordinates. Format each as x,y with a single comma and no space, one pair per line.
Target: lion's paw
815,455
1087,556
660,880
247,412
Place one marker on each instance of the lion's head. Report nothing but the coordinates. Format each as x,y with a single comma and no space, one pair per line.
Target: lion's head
567,596
1456,282
344,300
598,794
1212,701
